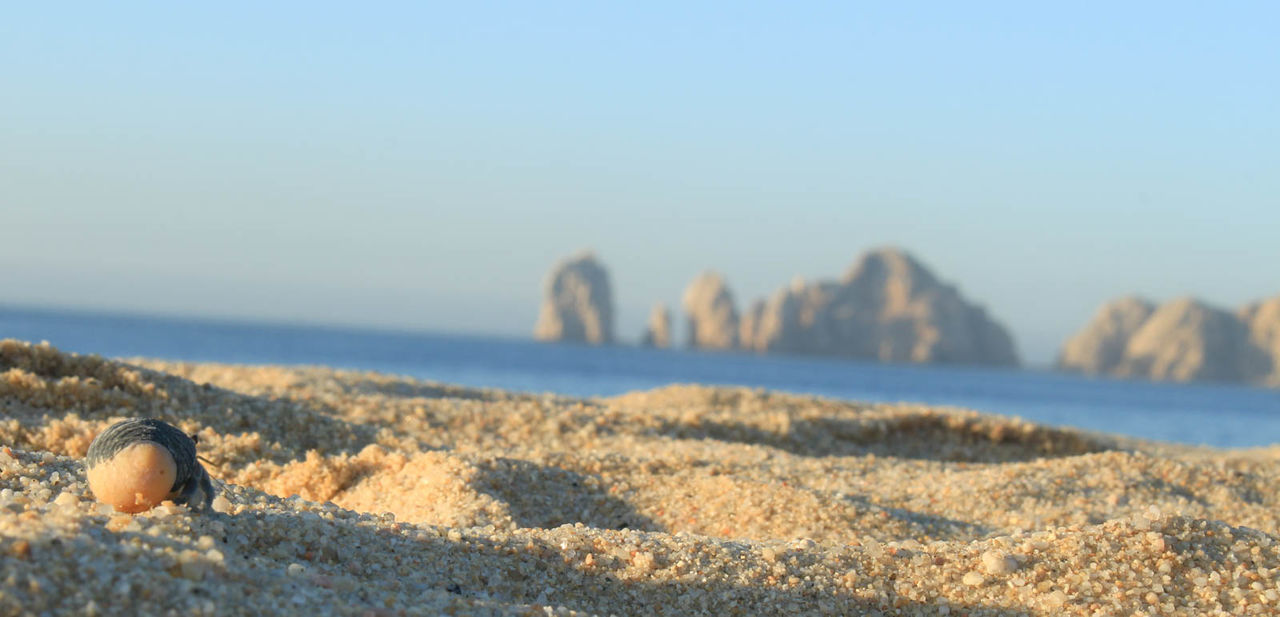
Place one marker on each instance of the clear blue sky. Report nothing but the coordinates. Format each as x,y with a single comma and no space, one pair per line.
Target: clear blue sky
400,165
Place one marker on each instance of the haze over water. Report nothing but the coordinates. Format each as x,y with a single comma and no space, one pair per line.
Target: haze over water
421,167
1225,416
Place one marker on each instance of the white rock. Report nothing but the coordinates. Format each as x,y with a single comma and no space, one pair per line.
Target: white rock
66,500
998,563
222,505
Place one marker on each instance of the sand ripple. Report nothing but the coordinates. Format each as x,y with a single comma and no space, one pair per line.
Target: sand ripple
360,493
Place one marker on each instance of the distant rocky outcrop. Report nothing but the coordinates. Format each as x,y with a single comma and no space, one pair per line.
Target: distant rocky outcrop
887,307
712,317
577,304
1100,347
1187,340
1181,340
657,332
1263,320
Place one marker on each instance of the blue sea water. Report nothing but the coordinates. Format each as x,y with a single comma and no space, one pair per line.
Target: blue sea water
1218,415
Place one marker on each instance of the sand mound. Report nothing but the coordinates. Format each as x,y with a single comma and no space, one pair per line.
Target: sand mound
358,493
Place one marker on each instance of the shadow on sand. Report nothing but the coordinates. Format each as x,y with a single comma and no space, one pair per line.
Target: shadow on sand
546,497
925,437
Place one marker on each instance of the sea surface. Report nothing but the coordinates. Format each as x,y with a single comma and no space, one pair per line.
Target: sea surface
1218,415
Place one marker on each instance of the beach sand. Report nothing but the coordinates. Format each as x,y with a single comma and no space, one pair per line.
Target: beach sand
364,494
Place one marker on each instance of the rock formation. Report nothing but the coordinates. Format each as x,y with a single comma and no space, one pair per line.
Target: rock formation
750,324
658,331
1182,340
1100,347
887,307
1186,340
1263,321
578,303
713,320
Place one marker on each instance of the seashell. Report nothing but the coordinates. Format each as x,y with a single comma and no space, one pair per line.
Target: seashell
137,463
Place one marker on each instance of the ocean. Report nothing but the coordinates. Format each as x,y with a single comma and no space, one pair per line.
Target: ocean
1211,414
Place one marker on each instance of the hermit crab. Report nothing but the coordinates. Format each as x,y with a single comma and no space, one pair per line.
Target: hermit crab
137,463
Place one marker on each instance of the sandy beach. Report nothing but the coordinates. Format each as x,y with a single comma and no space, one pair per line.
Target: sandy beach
354,493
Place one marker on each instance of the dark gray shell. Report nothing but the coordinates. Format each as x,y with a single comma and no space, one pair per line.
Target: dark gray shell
192,485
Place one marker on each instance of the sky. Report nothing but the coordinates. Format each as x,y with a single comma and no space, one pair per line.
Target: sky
422,167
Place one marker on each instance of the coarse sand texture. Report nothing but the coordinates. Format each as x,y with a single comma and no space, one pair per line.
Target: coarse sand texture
345,493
